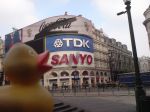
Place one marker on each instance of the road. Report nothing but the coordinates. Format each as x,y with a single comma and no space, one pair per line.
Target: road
102,103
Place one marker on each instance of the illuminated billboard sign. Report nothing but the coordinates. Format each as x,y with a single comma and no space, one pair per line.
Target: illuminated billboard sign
12,38
69,43
61,23
70,50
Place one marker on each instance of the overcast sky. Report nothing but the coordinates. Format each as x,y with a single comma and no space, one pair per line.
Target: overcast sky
20,13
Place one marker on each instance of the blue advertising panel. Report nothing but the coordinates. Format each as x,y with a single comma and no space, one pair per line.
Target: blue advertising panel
12,38
8,42
69,42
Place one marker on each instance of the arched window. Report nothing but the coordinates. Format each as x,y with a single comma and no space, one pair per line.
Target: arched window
85,73
75,73
54,74
97,74
64,73
91,73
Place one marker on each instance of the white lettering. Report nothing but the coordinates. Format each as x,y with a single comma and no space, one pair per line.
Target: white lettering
68,41
85,43
76,42
79,41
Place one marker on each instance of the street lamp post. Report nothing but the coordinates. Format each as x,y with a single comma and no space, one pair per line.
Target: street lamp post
138,89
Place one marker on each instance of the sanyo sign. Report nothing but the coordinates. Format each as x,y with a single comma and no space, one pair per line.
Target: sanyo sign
69,43
70,50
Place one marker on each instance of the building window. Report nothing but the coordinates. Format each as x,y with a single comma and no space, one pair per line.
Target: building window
64,73
54,74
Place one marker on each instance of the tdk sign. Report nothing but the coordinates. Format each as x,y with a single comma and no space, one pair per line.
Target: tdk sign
76,42
69,43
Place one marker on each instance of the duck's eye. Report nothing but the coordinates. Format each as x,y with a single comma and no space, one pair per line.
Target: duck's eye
31,53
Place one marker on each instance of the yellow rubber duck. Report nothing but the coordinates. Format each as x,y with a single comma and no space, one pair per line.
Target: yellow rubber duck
24,68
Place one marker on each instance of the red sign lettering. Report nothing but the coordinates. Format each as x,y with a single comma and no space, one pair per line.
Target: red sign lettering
72,59
64,60
82,57
89,59
55,59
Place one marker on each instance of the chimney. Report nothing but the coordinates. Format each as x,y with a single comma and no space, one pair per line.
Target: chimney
66,13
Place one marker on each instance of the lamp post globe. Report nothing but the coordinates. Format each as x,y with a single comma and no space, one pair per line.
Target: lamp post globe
126,2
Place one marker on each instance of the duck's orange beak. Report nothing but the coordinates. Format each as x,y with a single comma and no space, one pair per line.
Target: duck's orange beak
42,62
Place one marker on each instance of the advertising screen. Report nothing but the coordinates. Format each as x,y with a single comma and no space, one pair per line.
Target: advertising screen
44,27
37,45
12,38
70,50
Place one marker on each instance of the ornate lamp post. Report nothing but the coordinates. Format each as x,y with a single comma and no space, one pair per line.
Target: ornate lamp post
138,89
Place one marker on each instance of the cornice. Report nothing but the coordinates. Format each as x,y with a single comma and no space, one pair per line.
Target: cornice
147,10
146,21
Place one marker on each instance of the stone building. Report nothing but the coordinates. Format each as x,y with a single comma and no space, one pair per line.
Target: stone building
79,51
147,22
100,56
144,64
1,61
120,58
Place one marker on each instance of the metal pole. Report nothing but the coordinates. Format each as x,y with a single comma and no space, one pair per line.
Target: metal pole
138,89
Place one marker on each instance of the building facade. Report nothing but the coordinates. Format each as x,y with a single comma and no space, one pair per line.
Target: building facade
144,64
147,22
1,61
120,58
78,51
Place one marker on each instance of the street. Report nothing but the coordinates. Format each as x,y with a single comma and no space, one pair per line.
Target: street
102,104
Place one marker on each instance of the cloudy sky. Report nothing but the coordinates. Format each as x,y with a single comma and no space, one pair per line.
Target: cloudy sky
20,13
